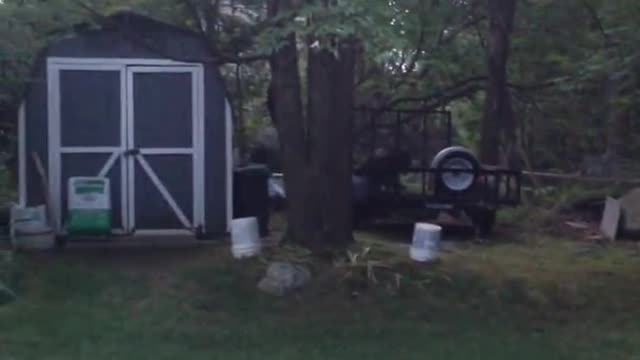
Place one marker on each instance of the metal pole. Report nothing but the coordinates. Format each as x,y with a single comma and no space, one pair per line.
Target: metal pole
449,129
424,153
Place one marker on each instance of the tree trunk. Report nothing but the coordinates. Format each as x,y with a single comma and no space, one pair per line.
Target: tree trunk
316,151
241,126
617,115
498,128
331,99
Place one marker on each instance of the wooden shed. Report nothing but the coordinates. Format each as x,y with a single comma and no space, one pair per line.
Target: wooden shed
134,100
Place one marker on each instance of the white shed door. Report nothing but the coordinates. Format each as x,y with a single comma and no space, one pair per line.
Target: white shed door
141,126
165,159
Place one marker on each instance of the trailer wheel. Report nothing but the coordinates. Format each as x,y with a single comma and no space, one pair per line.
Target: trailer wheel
483,220
456,157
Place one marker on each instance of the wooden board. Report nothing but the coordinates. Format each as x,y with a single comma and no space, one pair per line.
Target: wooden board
611,219
45,187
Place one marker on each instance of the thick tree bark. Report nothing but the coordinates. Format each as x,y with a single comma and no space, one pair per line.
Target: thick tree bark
316,150
331,99
287,113
617,88
498,128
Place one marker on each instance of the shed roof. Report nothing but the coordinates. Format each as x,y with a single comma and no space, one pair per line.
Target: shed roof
132,21
128,23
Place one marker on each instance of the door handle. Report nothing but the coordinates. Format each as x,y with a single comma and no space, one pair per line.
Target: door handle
132,152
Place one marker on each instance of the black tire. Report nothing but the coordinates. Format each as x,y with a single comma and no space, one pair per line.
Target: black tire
450,153
483,220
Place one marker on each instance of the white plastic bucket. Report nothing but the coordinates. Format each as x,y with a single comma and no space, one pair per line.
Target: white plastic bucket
245,238
426,242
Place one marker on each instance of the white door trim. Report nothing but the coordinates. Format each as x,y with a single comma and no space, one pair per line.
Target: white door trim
161,232
55,155
229,158
109,164
199,187
22,155
124,180
116,61
167,151
129,161
85,66
90,150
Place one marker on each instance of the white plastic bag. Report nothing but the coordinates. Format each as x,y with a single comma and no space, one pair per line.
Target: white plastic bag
28,219
29,228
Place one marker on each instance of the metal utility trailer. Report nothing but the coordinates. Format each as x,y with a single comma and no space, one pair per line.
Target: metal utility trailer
408,163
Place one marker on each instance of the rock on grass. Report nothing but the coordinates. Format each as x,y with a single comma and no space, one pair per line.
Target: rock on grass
282,277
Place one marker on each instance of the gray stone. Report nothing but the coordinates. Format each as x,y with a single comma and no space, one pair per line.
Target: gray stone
282,277
631,211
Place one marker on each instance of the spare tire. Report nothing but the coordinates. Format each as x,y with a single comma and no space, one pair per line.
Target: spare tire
456,157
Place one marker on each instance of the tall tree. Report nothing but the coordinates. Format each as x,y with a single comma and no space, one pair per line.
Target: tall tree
316,143
498,126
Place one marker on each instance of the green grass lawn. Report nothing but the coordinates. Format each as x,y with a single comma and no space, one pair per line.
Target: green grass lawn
542,300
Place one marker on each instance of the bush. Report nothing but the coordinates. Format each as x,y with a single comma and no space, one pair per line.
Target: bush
7,276
9,269
6,266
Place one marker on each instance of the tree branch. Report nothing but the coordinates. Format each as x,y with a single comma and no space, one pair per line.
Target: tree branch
436,100
445,40
418,52
218,57
593,12
458,90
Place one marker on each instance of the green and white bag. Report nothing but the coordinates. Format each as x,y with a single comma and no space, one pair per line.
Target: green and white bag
89,204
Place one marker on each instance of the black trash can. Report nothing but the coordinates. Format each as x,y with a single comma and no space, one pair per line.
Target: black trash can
251,195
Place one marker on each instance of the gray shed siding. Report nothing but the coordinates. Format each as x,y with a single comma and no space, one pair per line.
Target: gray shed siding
179,46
